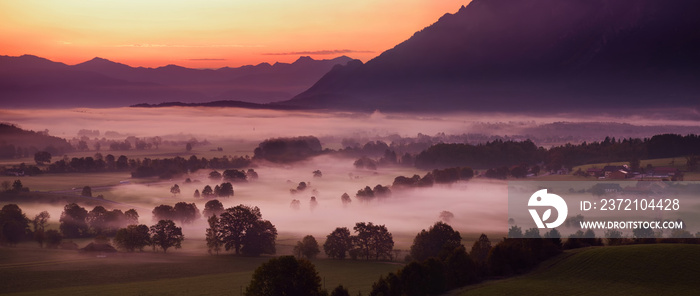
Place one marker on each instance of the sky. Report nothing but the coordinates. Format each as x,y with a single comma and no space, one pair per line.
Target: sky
211,33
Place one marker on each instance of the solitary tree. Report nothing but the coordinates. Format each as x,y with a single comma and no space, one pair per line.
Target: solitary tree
285,275
338,243
345,199
225,190
166,235
307,248
207,192
133,237
175,190
196,193
87,191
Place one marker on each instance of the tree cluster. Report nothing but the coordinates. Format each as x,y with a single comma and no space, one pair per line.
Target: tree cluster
242,228
369,242
164,235
284,150
367,193
77,222
184,212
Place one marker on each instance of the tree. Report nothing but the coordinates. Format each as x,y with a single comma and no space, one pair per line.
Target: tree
215,175
17,186
446,216
196,193
313,203
307,248
188,147
14,225
338,243
132,217
133,237
235,176
515,232
436,242
175,190
480,249
317,174
207,191
163,212
42,157
259,239
166,235
373,241
213,237
532,233
285,275
186,212
225,190
242,226
73,221
345,199
213,207
39,223
87,191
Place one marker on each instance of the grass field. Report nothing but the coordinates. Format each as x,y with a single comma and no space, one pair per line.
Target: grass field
663,269
29,270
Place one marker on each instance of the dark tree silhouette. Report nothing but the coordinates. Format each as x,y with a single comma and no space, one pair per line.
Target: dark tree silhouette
285,275
166,235
42,157
53,238
40,221
73,224
14,225
132,237
307,248
186,212
132,217
207,192
243,225
345,199
213,207
163,212
373,241
338,243
225,190
439,240
87,191
213,235
175,190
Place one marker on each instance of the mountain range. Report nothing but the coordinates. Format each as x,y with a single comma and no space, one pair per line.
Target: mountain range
493,55
31,81
512,55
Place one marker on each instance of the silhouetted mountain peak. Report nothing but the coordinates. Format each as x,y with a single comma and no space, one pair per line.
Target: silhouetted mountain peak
496,54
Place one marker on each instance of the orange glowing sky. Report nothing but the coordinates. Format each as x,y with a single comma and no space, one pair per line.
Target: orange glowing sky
211,33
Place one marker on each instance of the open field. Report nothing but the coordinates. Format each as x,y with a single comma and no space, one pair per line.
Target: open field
663,269
28,270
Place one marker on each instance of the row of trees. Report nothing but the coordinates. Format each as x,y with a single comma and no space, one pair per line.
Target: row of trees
141,168
506,154
164,235
77,222
223,190
369,242
184,212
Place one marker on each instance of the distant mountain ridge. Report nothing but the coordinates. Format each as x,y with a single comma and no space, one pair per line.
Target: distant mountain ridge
30,81
512,55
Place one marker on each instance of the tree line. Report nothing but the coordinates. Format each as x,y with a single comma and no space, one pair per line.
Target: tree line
506,154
